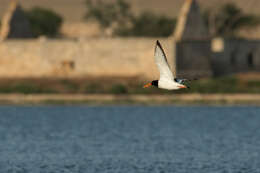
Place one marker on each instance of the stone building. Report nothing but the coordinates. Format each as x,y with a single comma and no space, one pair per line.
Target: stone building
192,43
235,56
198,55
14,23
191,52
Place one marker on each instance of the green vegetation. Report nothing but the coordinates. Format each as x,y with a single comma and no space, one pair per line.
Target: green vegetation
118,89
108,14
123,22
69,85
227,20
24,88
44,22
218,85
93,88
230,84
205,86
148,24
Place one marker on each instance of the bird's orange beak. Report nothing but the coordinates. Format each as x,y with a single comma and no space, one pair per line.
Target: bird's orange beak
147,85
182,86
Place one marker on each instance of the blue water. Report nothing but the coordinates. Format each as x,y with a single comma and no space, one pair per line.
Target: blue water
129,139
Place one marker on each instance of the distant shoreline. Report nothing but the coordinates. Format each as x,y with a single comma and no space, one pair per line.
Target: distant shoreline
103,99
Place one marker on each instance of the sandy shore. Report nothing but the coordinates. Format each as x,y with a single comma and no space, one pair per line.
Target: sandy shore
130,99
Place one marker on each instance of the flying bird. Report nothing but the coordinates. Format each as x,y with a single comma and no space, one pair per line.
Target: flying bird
167,80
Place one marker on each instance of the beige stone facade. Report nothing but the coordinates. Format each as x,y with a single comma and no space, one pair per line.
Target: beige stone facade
193,54
81,58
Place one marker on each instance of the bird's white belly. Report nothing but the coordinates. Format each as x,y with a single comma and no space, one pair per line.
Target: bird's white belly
169,85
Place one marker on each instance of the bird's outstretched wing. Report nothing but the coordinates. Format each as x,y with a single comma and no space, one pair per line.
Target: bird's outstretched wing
182,81
162,63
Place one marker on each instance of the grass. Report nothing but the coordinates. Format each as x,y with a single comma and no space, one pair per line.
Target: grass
70,85
225,85
25,89
217,85
231,84
118,89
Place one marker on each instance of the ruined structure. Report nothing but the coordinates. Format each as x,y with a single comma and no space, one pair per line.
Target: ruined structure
14,23
198,55
235,56
59,58
192,43
190,24
192,52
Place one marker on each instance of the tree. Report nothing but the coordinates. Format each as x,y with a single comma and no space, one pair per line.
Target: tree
107,13
123,22
228,20
44,21
148,24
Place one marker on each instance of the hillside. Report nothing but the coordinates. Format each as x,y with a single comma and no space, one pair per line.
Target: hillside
73,10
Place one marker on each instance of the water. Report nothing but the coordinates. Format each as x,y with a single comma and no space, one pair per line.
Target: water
129,139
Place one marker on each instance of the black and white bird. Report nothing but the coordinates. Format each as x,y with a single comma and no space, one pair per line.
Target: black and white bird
167,80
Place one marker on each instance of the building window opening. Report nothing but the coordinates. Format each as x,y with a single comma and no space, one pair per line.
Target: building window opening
250,60
233,59
68,65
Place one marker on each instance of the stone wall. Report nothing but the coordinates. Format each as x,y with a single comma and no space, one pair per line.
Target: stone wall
236,56
193,59
81,58
128,57
193,54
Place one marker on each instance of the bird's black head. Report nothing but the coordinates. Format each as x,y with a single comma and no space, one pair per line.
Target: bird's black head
155,83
